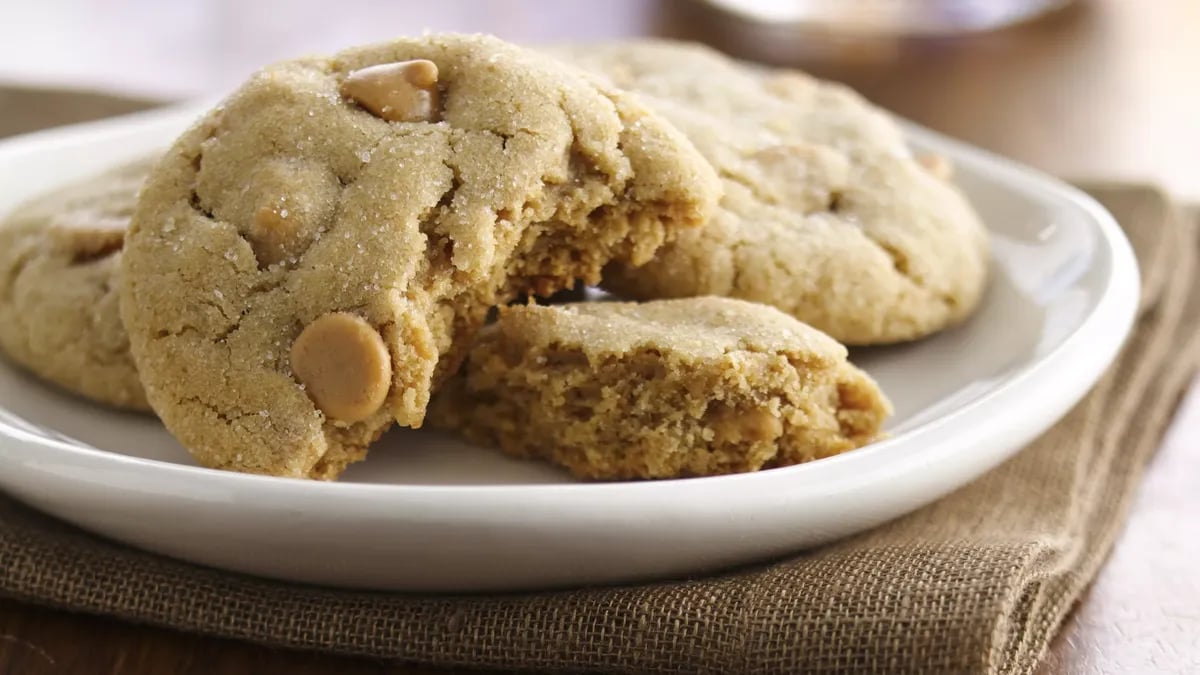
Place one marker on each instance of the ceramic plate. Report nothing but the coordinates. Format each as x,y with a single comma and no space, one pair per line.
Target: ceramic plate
426,513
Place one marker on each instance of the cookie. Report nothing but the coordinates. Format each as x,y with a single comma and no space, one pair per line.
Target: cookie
313,256
59,260
826,214
664,389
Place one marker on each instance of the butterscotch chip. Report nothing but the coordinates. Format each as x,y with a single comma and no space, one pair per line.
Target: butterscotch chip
398,92
662,389
730,425
271,234
344,366
280,206
93,241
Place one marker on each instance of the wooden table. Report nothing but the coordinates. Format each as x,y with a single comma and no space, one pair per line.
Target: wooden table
1105,89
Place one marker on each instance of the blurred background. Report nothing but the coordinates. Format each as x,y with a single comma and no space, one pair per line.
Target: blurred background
1085,89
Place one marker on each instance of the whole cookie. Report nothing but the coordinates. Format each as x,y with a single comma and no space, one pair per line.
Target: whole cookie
314,254
664,389
59,274
826,215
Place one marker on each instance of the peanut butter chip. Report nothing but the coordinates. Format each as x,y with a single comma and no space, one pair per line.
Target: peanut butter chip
344,366
740,426
271,235
89,237
397,92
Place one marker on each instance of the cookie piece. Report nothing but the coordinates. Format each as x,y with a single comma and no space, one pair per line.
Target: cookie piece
314,254
826,213
665,389
59,273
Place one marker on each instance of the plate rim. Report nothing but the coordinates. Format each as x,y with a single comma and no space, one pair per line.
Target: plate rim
1116,308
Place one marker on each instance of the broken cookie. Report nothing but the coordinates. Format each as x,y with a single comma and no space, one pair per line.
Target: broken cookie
378,203
664,389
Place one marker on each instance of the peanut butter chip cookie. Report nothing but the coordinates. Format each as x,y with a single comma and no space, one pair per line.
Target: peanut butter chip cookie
826,214
59,258
314,254
664,389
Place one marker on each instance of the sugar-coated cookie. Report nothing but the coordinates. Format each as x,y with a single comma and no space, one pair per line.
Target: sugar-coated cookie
59,260
826,214
313,255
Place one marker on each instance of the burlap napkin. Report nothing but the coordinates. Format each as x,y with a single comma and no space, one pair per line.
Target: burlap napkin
978,582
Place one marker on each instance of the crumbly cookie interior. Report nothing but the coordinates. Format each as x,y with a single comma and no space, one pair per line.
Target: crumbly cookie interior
642,407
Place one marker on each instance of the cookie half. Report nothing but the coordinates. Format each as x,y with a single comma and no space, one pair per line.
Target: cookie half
59,274
665,389
826,214
314,254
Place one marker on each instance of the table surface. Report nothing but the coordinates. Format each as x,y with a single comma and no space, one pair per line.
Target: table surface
1104,89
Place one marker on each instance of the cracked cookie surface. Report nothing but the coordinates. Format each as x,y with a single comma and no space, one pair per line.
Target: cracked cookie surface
59,263
825,214
663,389
377,203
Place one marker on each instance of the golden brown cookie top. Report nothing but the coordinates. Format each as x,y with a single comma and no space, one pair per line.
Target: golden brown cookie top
826,213
689,329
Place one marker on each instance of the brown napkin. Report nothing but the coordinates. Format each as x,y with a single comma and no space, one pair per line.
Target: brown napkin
977,582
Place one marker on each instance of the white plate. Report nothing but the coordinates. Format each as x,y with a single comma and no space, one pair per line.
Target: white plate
425,513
